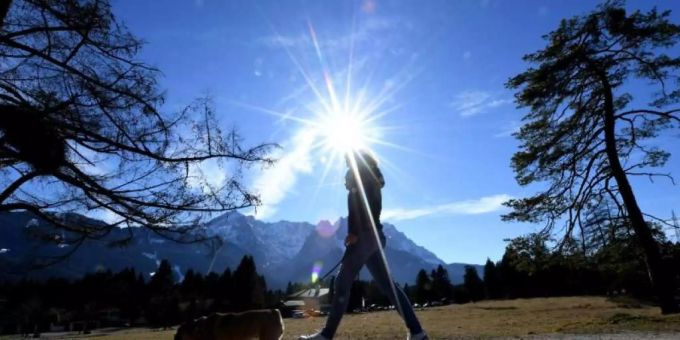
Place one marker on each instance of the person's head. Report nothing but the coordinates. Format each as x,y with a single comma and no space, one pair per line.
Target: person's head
363,158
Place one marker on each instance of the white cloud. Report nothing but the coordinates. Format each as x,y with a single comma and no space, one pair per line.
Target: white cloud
482,205
274,183
206,173
470,103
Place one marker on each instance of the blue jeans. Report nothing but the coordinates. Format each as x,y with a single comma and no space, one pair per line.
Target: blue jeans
365,251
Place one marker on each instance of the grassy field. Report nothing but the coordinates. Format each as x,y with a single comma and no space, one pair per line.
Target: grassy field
540,317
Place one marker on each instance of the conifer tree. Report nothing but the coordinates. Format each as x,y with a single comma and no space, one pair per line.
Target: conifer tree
473,284
423,289
492,283
584,137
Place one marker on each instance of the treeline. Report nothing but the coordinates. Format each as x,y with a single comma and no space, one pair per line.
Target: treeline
435,287
126,298
532,267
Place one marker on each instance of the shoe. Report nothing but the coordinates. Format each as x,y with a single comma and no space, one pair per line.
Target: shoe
316,336
419,336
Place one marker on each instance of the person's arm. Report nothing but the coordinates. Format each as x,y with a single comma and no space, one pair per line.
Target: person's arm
375,201
353,213
375,197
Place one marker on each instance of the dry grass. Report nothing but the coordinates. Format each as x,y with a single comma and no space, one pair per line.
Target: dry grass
513,318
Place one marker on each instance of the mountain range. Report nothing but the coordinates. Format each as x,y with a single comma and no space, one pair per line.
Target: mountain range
283,251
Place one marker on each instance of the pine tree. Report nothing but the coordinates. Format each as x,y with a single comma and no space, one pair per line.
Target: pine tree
164,303
577,92
423,289
473,284
441,284
249,288
188,287
163,279
289,288
492,281
225,293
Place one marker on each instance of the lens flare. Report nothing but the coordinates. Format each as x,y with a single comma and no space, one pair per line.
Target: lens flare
316,270
325,229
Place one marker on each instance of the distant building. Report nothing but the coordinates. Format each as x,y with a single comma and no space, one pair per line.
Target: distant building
290,307
316,299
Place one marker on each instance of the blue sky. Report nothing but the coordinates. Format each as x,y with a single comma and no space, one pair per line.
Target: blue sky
435,71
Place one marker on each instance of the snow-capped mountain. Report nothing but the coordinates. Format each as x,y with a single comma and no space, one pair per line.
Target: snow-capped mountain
278,241
324,248
283,251
398,241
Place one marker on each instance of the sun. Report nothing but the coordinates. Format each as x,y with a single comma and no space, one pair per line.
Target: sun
338,112
344,131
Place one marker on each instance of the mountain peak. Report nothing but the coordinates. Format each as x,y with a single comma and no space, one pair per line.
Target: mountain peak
283,251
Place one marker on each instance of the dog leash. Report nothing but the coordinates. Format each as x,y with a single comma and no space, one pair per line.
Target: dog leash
324,277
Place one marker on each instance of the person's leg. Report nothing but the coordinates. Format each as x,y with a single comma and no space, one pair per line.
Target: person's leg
352,262
377,268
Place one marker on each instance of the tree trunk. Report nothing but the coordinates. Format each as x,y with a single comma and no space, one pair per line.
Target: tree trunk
659,273
4,8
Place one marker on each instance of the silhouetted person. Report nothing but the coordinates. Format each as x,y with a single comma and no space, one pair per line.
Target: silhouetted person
364,183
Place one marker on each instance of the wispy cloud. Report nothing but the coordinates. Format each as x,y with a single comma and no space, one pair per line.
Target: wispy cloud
206,174
274,183
470,103
482,205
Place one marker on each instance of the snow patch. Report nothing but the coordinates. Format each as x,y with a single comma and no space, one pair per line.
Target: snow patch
32,223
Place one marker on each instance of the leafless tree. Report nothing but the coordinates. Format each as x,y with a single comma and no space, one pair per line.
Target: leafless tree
83,129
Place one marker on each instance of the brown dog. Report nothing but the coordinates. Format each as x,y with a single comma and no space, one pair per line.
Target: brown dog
264,324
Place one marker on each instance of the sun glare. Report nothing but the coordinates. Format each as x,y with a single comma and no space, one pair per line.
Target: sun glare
344,119
343,131
338,114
